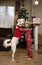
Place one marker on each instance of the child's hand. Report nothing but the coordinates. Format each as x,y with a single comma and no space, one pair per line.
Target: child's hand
27,28
31,29
22,36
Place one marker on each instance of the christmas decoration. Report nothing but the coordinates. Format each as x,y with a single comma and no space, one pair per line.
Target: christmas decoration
23,13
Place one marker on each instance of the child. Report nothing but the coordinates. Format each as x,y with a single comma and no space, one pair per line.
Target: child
28,40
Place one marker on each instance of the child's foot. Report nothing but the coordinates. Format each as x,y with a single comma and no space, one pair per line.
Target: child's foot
26,56
29,58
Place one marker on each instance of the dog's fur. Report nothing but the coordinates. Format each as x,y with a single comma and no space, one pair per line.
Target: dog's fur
13,42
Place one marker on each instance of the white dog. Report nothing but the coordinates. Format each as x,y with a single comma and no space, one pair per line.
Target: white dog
14,40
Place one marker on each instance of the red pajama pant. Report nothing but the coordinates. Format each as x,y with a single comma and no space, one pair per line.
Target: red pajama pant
29,42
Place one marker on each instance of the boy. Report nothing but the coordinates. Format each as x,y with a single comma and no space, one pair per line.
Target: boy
28,39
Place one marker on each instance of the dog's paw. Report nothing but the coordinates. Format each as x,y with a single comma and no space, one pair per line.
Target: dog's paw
13,59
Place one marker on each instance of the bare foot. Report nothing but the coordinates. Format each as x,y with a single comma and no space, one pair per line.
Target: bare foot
26,56
29,58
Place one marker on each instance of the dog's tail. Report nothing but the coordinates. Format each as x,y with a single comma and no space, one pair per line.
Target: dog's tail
7,43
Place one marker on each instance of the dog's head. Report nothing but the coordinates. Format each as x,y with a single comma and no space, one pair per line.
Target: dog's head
20,22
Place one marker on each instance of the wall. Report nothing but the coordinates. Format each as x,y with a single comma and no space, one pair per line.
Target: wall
28,6
37,11
7,2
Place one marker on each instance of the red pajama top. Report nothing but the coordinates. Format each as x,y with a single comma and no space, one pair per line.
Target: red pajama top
18,32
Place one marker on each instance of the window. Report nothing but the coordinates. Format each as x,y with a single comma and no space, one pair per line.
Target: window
7,16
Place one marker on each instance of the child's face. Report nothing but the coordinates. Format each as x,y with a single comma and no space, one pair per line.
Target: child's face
26,24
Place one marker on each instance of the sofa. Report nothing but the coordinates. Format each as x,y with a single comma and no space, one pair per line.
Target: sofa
5,33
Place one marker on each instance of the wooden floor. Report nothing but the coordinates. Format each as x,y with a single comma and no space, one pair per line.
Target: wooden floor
20,58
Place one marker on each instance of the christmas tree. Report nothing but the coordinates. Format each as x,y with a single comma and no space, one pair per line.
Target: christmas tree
23,13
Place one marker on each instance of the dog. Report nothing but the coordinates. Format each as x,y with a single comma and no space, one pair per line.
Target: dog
14,41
